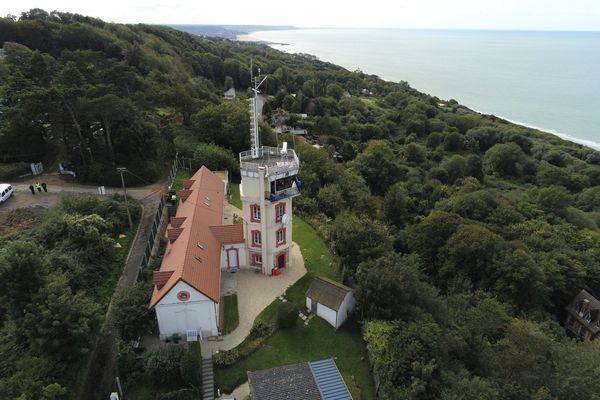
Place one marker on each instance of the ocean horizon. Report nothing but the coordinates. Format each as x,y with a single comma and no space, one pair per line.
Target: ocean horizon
546,80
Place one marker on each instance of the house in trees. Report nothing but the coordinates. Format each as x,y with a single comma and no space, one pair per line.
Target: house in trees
583,316
315,380
229,94
330,300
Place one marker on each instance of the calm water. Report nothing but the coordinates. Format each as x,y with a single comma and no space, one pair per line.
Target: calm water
549,80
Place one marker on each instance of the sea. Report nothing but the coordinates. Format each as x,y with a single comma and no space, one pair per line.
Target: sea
544,80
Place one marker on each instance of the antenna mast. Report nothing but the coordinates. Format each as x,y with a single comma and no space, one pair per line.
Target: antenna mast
254,111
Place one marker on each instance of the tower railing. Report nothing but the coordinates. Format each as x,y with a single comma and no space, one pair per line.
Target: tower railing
271,158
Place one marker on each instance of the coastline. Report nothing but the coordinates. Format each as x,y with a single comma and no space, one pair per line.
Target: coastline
248,38
564,136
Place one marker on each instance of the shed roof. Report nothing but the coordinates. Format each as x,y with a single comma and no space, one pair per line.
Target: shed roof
328,292
194,255
317,380
228,234
587,314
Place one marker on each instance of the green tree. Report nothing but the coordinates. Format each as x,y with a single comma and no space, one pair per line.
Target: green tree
378,165
131,315
455,166
397,205
60,322
393,287
22,268
504,160
431,234
214,158
347,230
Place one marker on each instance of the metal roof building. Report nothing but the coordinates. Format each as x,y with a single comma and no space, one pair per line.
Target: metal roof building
316,380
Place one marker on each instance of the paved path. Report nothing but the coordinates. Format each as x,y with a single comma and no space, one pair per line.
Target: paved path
254,291
241,392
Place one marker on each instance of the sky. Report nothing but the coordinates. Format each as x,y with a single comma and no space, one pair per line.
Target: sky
580,15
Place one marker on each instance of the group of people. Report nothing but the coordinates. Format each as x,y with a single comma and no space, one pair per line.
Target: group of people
39,186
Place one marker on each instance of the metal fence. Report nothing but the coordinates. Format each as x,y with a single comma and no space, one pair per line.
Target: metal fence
178,163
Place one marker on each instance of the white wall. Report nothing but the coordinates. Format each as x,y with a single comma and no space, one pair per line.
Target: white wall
198,313
243,259
327,314
346,306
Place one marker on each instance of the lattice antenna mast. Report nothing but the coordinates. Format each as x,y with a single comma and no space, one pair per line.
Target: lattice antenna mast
254,111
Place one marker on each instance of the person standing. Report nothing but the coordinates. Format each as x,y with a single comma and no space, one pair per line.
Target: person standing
45,187
38,187
32,189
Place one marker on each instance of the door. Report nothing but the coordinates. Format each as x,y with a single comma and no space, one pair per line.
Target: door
232,260
281,261
313,306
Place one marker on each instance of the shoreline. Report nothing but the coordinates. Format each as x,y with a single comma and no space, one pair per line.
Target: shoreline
564,136
248,38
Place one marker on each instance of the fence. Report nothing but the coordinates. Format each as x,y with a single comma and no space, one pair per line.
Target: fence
179,162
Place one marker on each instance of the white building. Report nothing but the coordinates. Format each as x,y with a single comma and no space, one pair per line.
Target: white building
187,288
330,300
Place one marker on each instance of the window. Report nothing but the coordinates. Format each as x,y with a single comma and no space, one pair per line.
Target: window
256,259
184,295
279,211
254,213
280,236
256,239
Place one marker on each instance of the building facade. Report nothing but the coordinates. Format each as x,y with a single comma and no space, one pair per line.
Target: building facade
583,316
269,183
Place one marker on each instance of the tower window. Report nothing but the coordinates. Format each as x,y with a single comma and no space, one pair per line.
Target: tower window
256,239
279,211
280,236
254,213
256,259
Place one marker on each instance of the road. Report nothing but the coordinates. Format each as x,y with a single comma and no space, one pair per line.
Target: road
58,186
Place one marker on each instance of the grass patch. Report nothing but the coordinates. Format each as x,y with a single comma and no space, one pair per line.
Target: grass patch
234,195
232,318
317,341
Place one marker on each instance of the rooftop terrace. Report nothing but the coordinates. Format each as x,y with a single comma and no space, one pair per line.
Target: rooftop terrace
273,159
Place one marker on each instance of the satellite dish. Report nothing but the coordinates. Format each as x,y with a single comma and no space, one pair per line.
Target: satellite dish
285,219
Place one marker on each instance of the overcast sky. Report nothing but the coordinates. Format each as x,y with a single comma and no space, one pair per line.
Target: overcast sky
459,14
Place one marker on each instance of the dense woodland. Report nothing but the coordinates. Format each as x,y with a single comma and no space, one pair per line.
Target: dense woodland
465,236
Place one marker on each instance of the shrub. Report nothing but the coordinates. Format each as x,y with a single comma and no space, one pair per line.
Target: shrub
287,315
162,364
181,394
13,170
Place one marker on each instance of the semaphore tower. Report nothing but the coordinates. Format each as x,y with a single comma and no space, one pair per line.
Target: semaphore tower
269,182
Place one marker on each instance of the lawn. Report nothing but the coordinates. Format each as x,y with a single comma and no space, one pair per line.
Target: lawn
234,195
317,341
232,318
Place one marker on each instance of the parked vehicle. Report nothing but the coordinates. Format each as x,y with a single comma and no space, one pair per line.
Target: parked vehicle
66,170
6,191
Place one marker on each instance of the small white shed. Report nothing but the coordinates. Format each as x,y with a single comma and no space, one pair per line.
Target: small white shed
330,300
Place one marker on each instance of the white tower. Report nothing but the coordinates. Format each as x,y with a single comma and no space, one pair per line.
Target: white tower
268,185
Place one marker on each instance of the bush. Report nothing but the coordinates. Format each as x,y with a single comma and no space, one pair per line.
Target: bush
287,315
190,367
181,394
13,170
162,364
260,332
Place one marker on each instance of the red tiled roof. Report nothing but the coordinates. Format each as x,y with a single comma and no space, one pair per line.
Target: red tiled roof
228,234
177,221
203,209
173,233
188,184
159,278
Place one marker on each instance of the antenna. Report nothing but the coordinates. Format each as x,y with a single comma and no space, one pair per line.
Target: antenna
254,105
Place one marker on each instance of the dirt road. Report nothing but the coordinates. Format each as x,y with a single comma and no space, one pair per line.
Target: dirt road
58,186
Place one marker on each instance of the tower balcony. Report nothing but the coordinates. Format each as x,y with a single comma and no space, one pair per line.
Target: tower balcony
278,162
283,194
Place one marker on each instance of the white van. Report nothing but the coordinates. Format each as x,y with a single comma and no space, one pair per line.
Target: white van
5,192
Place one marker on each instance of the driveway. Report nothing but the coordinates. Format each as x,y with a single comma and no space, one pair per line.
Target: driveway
255,292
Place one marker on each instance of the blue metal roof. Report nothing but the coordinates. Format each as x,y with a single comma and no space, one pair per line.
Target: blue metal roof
329,381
